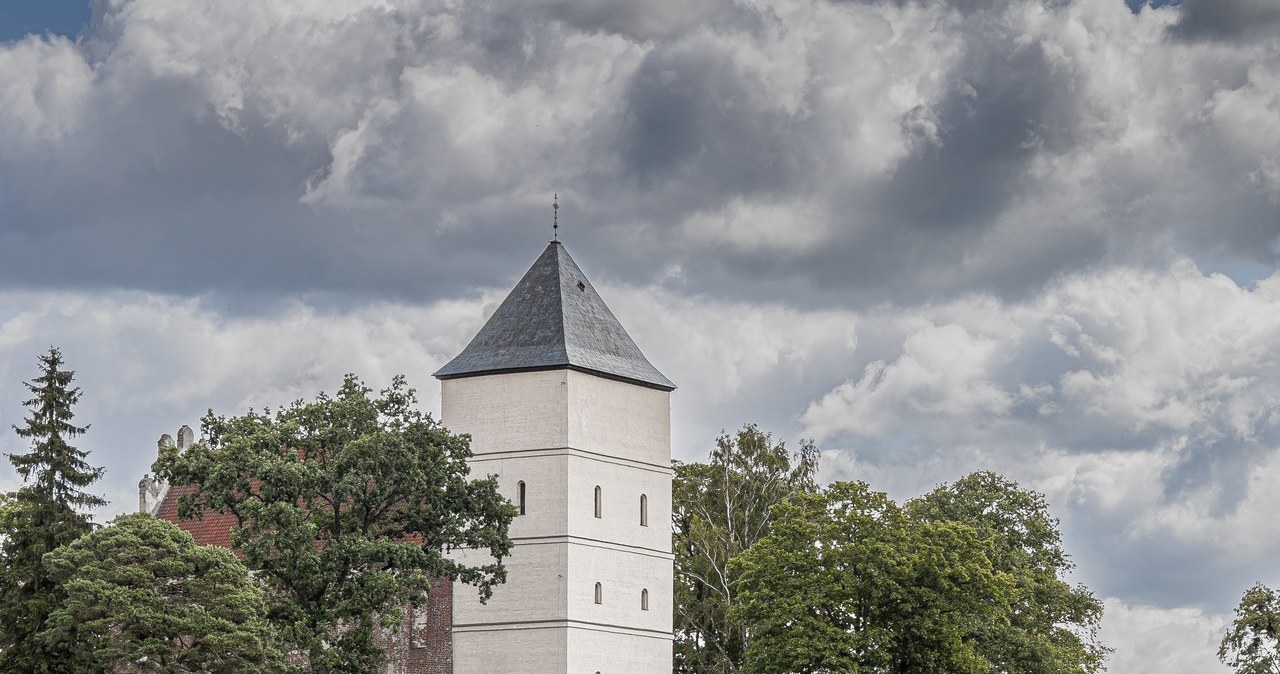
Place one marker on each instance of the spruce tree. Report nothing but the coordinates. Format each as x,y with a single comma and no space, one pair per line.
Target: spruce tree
47,512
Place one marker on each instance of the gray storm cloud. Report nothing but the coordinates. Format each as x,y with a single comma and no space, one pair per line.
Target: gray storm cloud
1162,380
1227,19
1031,236
990,144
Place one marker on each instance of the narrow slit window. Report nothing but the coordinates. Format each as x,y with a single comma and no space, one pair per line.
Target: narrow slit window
520,496
598,509
644,600
599,594
644,510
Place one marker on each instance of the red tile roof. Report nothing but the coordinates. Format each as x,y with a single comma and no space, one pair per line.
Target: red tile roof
212,529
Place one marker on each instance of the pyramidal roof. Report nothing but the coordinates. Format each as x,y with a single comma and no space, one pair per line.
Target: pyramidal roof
554,319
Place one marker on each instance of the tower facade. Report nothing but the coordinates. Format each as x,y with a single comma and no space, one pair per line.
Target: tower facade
564,408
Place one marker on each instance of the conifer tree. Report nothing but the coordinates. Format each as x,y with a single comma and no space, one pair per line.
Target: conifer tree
142,597
47,512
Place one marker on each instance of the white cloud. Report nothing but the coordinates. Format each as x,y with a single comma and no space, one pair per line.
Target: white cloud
933,236
941,374
1136,356
1150,640
734,363
760,226
149,363
45,85
991,148
1247,119
1141,402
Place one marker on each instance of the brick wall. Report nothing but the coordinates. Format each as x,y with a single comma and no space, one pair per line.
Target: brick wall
424,644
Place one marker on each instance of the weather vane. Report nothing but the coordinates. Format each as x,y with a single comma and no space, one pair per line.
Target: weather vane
555,216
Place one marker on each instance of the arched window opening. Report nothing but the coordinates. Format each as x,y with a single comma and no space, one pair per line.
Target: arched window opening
520,496
644,600
644,510
599,594
598,501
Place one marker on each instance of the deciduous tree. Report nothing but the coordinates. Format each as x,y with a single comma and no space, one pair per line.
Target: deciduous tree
142,594
48,511
1252,644
347,507
845,581
1052,626
720,509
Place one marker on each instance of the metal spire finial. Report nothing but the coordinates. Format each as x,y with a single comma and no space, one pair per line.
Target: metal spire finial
555,216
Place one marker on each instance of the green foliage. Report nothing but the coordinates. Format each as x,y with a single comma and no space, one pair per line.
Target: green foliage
346,506
1052,628
720,509
140,592
966,579
846,582
58,472
45,513
1252,644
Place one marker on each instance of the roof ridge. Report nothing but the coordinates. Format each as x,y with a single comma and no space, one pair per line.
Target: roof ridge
564,333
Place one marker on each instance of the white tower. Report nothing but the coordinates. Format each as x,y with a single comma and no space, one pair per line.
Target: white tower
564,408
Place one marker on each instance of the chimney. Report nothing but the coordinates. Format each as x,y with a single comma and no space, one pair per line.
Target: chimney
145,486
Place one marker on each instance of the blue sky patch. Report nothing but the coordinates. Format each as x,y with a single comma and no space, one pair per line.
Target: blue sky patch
19,18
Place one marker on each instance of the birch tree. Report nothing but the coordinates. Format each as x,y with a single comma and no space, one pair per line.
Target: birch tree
719,509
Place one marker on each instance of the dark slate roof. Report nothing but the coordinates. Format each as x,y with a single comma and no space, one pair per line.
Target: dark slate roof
554,319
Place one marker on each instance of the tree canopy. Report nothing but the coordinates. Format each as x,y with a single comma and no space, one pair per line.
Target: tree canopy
720,509
1052,627
141,593
845,581
775,574
347,507
47,512
1252,643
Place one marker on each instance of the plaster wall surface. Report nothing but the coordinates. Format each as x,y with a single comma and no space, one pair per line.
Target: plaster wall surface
591,651
622,575
522,411
519,411
540,650
621,486
561,648
563,433
546,479
621,420
536,588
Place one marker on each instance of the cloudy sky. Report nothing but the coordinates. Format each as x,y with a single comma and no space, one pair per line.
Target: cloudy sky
1032,236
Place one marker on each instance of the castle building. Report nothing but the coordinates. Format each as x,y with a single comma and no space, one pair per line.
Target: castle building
563,407
575,422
